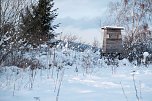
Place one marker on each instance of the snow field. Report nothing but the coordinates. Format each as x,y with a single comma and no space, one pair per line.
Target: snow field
76,76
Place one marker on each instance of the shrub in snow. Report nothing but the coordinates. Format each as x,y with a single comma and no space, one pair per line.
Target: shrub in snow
145,56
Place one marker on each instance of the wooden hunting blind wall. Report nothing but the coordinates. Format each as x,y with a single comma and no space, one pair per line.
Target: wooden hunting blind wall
112,41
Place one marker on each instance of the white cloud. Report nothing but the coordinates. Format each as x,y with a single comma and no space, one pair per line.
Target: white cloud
83,23
77,9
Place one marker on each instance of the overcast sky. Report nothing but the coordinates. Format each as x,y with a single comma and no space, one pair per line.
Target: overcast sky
82,18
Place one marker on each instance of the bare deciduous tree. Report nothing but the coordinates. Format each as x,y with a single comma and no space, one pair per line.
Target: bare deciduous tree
131,14
68,37
9,20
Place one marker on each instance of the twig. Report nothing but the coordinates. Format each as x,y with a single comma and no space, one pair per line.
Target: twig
135,88
60,82
56,81
124,91
140,91
14,89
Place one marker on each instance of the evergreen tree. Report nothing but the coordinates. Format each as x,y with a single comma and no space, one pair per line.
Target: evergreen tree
26,25
37,24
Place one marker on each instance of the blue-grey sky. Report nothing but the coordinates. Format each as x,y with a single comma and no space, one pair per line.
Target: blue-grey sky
82,18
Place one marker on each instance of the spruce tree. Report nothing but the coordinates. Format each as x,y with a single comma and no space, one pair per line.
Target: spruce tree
38,22
45,15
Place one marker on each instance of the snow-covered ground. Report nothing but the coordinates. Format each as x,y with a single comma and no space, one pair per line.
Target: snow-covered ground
76,76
